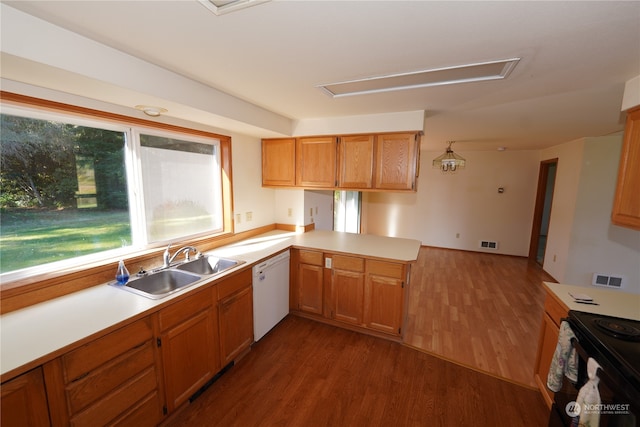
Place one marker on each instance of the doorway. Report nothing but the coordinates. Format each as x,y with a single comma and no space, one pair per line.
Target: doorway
542,212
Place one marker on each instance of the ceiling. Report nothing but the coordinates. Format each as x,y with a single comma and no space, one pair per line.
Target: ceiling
575,58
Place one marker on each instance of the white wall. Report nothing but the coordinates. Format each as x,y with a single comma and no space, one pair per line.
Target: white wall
289,207
596,245
458,210
569,157
248,193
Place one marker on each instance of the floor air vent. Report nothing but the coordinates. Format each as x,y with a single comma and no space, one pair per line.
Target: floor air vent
607,280
487,244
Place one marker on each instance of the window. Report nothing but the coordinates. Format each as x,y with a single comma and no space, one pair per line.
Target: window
346,211
73,189
181,187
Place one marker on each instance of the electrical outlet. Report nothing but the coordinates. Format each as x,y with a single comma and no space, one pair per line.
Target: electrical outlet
289,212
327,263
238,218
248,216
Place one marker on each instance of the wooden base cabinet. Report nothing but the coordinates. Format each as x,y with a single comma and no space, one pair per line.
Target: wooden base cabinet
189,346
310,282
351,291
24,401
111,380
554,311
235,314
347,289
384,299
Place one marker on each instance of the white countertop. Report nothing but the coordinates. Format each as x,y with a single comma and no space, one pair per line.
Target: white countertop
34,332
610,302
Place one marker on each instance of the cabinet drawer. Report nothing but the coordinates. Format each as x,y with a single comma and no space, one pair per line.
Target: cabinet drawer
101,381
310,257
555,309
386,269
348,263
143,413
96,353
233,284
117,402
183,310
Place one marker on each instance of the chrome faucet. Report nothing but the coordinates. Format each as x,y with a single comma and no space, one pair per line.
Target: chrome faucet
167,258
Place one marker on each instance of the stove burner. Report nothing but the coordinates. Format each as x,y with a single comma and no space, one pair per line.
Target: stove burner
618,329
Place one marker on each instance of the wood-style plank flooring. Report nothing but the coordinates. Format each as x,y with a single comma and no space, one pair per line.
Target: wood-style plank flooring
481,310
305,373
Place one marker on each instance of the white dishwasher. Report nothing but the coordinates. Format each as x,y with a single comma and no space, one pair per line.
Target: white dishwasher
270,293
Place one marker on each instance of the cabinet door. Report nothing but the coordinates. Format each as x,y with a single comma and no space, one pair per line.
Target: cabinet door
24,401
546,347
310,286
279,162
316,162
348,296
396,161
384,296
189,358
236,324
626,205
355,161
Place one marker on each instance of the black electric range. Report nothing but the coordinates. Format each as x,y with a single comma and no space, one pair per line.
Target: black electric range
614,341
615,344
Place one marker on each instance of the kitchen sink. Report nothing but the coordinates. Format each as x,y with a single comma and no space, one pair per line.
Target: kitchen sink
207,265
160,284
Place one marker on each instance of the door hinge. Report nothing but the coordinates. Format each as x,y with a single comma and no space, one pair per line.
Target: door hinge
159,342
402,284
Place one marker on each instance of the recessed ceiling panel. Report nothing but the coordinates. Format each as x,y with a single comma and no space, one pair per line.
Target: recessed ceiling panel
220,7
436,77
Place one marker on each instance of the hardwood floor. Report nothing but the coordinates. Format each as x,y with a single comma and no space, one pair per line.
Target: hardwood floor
473,319
480,310
305,373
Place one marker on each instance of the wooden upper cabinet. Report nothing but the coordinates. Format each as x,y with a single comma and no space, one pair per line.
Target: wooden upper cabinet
316,162
626,205
385,162
279,162
396,161
355,161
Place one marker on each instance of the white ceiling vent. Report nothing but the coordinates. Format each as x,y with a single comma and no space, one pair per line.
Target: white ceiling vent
482,71
221,7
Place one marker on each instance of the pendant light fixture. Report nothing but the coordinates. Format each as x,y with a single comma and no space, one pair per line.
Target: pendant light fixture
449,161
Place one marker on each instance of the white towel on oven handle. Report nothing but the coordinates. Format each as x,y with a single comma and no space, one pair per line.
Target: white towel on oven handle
564,362
589,397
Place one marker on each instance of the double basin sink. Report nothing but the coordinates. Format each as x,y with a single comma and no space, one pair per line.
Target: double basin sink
164,282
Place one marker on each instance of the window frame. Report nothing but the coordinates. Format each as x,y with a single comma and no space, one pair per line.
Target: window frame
43,281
